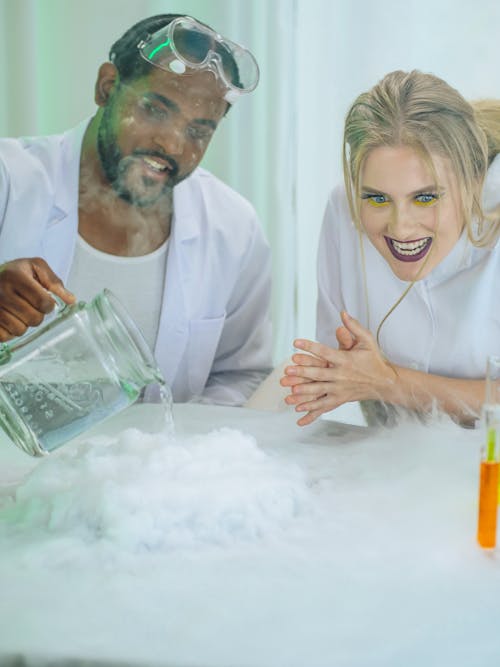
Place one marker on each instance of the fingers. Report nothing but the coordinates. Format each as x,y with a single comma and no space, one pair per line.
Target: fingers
344,338
308,389
292,381
308,396
48,279
315,409
15,322
313,378
24,299
323,378
292,373
309,360
305,378
310,374
324,352
359,333
347,336
309,418
318,403
12,325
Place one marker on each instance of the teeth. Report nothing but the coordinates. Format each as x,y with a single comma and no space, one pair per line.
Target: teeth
157,166
411,248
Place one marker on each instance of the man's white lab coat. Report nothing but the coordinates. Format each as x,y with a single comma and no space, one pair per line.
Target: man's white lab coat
214,337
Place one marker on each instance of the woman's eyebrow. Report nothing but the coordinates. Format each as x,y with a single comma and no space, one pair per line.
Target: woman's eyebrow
424,188
427,188
375,191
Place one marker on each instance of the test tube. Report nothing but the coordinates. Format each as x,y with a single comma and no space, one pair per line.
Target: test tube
490,460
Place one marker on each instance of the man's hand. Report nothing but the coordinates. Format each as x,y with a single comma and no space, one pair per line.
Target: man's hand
24,297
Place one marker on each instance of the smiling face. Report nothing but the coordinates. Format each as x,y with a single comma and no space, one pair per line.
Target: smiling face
154,132
412,220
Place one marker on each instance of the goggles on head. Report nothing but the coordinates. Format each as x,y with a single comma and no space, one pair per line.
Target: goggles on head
184,46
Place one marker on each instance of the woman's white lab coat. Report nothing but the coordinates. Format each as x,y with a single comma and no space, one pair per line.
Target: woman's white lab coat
447,324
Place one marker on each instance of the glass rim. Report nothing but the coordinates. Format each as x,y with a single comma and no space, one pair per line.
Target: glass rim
107,303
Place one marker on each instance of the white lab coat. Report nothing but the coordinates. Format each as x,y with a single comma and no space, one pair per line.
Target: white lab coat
447,324
214,337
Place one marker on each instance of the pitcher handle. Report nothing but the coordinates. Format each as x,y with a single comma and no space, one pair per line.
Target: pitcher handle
6,349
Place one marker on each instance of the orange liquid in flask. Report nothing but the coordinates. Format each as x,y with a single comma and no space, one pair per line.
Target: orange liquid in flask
488,504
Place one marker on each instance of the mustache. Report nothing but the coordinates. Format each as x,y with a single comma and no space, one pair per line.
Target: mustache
172,162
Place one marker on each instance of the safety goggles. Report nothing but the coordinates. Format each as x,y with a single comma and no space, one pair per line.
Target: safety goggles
185,46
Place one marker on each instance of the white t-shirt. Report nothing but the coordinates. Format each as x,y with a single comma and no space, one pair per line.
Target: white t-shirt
136,281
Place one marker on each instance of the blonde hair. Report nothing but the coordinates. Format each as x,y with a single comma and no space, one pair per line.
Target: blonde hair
488,118
423,111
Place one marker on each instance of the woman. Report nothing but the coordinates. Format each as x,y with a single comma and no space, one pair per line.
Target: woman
408,263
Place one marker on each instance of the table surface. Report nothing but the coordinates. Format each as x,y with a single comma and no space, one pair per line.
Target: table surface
384,571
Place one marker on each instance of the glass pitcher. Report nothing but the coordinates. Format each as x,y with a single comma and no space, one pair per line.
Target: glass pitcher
88,363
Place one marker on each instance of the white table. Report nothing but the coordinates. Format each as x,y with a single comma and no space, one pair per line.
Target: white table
388,573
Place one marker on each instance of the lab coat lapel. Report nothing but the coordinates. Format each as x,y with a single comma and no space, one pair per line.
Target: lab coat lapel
58,245
173,330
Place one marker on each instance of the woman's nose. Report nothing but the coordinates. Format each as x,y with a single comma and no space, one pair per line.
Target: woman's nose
401,222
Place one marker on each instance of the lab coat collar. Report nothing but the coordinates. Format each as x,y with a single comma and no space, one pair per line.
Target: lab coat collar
184,224
62,225
460,257
172,334
463,256
185,229
71,150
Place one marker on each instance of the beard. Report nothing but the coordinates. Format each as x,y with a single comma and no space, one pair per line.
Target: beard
123,173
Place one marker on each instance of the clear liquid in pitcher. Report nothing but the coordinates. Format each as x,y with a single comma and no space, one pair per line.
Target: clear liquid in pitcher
56,412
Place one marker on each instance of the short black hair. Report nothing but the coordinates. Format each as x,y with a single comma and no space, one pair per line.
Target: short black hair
127,59
124,53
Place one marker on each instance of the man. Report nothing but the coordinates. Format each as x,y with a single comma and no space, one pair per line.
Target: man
120,202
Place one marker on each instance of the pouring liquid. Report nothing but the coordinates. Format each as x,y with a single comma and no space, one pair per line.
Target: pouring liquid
167,402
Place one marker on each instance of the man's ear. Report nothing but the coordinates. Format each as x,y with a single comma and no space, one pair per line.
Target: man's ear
107,77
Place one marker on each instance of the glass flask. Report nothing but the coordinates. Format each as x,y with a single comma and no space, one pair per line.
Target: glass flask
490,459
86,364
